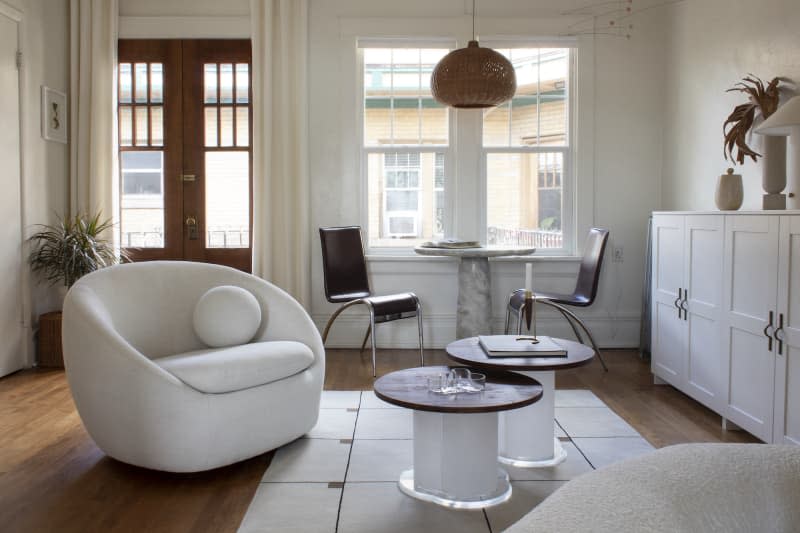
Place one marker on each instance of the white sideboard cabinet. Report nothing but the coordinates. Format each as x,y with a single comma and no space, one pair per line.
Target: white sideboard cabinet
726,315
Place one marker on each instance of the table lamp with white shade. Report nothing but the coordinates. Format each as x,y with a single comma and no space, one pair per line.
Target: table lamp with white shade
785,121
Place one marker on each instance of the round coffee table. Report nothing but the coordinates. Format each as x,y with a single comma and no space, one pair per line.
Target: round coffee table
456,435
526,435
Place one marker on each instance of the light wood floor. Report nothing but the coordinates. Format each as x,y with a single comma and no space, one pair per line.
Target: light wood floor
53,477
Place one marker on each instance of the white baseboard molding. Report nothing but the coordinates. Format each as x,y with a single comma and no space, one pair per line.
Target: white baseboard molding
348,331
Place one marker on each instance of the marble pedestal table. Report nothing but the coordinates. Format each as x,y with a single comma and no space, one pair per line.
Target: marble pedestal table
526,435
455,436
474,310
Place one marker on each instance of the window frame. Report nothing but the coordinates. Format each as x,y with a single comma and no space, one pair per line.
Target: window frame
455,159
401,213
568,152
365,151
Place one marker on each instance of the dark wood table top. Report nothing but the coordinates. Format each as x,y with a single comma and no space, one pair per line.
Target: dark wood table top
469,352
504,390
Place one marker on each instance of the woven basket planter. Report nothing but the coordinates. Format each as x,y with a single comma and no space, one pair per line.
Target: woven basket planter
473,77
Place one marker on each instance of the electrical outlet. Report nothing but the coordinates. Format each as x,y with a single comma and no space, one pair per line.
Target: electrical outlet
618,256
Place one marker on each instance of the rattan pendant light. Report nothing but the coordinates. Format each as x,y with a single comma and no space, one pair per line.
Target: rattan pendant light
473,77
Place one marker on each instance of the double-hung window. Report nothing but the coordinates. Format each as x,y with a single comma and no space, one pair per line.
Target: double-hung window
410,148
405,145
527,153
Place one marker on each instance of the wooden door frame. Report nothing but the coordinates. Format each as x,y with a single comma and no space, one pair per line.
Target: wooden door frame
184,143
167,52
211,51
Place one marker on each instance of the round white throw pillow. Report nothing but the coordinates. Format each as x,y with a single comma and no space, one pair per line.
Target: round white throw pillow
226,316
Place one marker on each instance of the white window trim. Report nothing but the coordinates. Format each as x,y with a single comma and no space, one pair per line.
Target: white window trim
453,31
568,177
365,151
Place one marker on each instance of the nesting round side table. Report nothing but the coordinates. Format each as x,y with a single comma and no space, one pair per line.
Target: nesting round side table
526,434
456,435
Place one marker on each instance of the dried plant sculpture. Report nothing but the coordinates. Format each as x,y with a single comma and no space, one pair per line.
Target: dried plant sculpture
761,98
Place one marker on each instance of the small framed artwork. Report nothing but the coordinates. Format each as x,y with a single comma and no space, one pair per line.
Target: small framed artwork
54,115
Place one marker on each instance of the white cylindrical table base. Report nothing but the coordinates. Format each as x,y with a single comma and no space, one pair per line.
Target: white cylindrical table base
455,461
526,435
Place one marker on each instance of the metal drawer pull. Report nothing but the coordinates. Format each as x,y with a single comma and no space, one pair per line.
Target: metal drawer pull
779,330
678,299
767,333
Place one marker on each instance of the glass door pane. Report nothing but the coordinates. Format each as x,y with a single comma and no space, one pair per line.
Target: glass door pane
227,200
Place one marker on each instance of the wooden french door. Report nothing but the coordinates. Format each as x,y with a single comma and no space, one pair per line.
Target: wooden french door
185,120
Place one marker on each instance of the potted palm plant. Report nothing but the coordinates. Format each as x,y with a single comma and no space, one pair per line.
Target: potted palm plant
71,248
61,254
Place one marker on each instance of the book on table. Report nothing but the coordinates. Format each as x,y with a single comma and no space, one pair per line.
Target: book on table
520,346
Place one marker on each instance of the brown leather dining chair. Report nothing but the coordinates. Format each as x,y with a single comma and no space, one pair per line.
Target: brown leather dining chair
583,295
345,270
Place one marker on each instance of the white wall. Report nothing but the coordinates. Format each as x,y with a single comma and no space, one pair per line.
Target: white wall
45,48
713,44
184,19
619,136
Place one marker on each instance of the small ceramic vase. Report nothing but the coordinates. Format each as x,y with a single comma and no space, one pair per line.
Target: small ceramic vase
730,193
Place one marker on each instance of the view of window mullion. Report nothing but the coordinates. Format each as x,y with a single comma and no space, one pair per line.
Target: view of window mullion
133,104
119,109
391,97
234,95
419,96
148,99
219,104
538,97
510,113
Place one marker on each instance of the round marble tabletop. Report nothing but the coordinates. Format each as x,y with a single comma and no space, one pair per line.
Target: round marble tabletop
483,251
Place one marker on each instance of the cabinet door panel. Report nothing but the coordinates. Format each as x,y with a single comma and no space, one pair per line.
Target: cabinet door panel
751,262
668,335
668,248
703,362
753,243
705,240
787,371
751,375
668,344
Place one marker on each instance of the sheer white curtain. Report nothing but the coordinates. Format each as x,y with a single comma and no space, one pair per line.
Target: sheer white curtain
93,132
281,235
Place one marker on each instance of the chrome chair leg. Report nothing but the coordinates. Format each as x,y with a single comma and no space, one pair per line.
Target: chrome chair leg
419,327
335,315
372,327
573,316
520,314
508,319
569,321
366,336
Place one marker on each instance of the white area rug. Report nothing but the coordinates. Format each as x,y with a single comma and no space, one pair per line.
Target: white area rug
342,476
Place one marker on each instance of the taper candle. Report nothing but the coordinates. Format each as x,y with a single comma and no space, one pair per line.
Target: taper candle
528,277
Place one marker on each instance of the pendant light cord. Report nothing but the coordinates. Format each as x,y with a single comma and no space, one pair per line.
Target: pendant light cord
473,20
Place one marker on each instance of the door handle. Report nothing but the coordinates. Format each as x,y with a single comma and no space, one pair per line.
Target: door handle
767,333
778,339
678,299
191,226
683,304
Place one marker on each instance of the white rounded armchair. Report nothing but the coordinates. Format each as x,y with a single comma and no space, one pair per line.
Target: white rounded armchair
151,394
